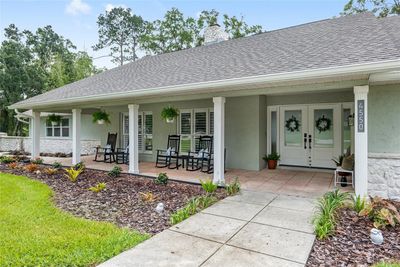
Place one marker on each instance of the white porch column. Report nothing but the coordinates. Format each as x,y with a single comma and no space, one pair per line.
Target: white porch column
219,140
76,136
35,132
361,139
133,139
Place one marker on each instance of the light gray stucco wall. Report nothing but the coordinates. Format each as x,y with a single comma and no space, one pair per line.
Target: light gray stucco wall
311,98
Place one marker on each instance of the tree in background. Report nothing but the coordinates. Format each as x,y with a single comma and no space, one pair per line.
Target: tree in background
120,30
33,63
381,8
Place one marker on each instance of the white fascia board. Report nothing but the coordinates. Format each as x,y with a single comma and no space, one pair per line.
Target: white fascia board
392,76
365,68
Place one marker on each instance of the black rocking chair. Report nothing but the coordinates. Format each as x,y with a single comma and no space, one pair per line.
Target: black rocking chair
201,157
169,157
122,155
108,152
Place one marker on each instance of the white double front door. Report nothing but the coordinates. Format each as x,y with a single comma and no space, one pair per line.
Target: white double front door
310,135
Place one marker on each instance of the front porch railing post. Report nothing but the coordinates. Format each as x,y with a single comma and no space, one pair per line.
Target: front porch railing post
219,140
76,136
35,131
361,140
133,138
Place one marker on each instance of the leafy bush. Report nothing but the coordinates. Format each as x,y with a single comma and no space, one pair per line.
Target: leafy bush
147,197
7,159
162,178
57,165
381,212
325,219
12,165
192,207
37,161
272,156
80,166
208,186
98,188
72,174
233,188
31,167
358,203
115,171
50,171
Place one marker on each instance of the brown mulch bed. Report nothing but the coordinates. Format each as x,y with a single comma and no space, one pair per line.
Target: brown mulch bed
351,244
120,203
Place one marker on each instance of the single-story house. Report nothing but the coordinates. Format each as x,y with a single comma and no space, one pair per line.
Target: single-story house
309,92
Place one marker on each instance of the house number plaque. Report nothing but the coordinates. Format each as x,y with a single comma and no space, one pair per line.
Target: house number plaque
361,116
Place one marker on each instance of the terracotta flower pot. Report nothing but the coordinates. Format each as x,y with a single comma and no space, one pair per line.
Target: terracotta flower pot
272,164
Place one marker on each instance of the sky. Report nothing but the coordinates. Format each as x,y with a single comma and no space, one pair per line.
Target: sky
76,19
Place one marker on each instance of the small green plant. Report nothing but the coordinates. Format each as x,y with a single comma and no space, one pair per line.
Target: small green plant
37,161
179,216
358,203
50,171
193,206
115,171
169,113
147,197
387,264
54,119
339,160
233,188
7,159
72,174
162,178
57,165
206,201
381,212
208,186
98,188
101,117
80,166
272,156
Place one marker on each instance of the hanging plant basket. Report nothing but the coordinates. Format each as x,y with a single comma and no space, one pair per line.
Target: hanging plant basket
54,119
169,114
101,117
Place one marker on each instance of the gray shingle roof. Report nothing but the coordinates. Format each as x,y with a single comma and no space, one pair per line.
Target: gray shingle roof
328,43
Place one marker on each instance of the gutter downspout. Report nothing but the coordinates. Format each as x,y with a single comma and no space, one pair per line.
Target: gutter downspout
20,117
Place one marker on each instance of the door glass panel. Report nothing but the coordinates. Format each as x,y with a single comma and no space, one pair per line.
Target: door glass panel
273,132
346,131
293,124
323,128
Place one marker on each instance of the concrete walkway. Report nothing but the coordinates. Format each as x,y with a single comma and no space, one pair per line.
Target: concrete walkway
251,229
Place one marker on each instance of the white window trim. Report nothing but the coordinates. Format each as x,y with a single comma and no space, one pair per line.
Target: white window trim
141,113
61,127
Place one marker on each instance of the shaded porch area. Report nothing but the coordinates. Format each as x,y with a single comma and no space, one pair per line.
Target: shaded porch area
297,182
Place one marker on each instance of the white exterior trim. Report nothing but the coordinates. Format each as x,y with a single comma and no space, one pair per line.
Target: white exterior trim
219,140
35,123
361,143
133,139
76,136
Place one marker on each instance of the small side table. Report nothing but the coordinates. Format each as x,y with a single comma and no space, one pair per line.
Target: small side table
340,170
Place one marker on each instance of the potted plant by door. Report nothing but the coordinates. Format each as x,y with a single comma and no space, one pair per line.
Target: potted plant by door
169,114
272,160
54,119
101,117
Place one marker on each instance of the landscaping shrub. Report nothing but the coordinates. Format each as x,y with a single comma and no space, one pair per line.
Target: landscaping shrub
72,174
98,188
325,219
7,159
31,167
208,186
358,203
233,188
192,207
37,161
381,212
50,171
57,165
162,178
147,197
80,166
115,171
12,165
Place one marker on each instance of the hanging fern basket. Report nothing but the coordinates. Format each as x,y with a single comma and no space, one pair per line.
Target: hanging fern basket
169,114
101,117
54,119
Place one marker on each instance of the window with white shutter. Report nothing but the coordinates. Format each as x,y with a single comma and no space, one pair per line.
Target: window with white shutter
185,124
145,131
148,132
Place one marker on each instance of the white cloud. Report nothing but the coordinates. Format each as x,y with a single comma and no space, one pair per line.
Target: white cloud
109,7
76,7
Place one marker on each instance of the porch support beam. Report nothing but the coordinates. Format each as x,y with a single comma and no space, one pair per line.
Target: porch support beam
219,140
361,140
35,134
76,136
133,138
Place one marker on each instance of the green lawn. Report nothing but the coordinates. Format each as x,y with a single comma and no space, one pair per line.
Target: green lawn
33,232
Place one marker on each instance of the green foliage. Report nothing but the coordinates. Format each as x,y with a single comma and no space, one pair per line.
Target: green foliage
387,264
338,161
115,171
39,234
162,178
98,188
192,207
79,166
325,219
101,115
169,113
57,165
272,156
381,212
73,174
358,203
208,186
54,118
37,161
381,8
7,159
233,188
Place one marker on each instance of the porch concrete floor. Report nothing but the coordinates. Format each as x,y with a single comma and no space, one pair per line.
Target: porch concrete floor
296,182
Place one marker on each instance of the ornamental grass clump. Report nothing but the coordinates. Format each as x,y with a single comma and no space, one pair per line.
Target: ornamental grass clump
98,187
72,174
37,161
358,203
233,188
7,159
328,206
208,186
192,207
50,171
